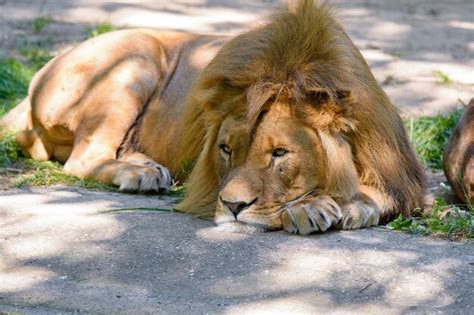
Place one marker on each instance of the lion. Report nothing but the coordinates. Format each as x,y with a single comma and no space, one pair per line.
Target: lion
458,157
285,124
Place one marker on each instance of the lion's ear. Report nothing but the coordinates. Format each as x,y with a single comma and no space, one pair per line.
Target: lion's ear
330,110
320,95
343,95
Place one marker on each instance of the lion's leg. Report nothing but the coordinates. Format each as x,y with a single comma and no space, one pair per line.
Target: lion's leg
34,146
94,156
319,213
313,214
142,160
94,153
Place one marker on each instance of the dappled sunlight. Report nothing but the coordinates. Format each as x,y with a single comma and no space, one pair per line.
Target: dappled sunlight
320,304
462,24
435,101
414,288
285,305
398,279
63,241
389,30
216,234
72,250
51,228
206,20
423,71
312,268
16,279
202,55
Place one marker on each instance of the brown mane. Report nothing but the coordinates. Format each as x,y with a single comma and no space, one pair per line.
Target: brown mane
302,52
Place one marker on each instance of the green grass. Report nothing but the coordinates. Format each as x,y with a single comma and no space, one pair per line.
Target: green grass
177,190
14,80
36,57
457,225
9,150
40,23
442,77
16,76
430,134
389,79
98,29
39,173
46,173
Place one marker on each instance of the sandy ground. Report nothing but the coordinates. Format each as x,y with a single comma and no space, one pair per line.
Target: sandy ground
61,253
403,41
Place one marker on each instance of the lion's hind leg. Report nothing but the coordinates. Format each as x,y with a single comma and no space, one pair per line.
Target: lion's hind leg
33,145
94,156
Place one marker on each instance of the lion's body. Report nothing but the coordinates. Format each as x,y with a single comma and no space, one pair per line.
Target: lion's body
94,100
458,157
116,106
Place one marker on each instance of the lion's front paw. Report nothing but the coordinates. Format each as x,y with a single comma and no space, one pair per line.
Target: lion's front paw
359,214
308,216
152,177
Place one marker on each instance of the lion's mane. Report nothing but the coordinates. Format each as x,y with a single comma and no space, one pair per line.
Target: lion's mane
303,49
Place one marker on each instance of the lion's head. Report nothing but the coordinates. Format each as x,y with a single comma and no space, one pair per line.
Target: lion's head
288,111
267,162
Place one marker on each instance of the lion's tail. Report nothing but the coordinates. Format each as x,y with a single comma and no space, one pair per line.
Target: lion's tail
16,119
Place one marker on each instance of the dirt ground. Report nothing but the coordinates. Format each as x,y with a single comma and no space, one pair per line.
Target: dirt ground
405,42
61,253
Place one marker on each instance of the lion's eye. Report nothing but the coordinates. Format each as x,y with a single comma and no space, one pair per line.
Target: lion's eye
225,148
278,152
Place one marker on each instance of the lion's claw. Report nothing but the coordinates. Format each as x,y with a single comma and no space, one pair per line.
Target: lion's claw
309,216
143,178
359,214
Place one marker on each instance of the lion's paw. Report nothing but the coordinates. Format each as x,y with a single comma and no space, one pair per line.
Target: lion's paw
149,178
359,214
309,216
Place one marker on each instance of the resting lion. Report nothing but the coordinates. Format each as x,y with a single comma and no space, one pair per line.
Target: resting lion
286,124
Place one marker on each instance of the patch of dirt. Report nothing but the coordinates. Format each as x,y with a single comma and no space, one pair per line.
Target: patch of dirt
405,42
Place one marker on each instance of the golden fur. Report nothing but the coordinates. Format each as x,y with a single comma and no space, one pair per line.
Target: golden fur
304,55
458,157
286,124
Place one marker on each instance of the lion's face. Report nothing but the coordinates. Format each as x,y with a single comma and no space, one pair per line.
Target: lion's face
265,167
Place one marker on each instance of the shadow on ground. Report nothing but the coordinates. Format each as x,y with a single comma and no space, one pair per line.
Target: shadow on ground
59,251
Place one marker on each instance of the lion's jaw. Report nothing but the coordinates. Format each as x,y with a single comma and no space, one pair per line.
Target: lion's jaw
281,161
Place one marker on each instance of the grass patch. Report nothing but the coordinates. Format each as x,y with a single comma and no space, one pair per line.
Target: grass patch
177,190
9,150
442,77
457,224
98,29
46,173
16,76
39,173
37,57
40,23
430,134
389,79
14,80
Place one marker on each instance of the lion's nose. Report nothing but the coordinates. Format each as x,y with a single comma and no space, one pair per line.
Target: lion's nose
237,207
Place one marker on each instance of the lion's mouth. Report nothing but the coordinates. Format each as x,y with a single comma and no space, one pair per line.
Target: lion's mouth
267,222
